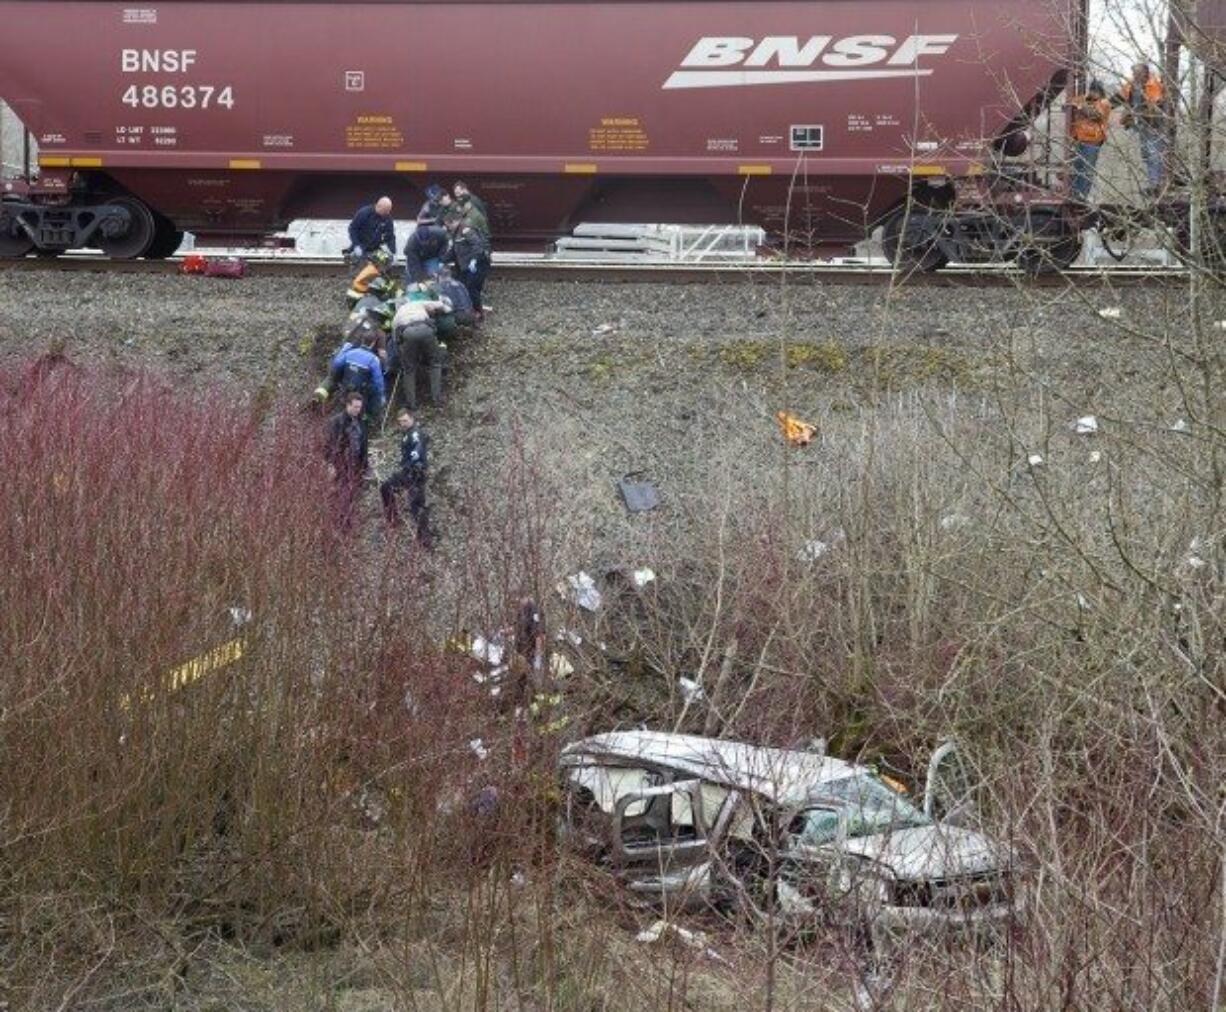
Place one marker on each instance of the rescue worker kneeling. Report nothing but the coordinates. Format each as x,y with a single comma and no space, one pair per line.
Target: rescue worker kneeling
409,480
356,367
377,262
416,336
461,314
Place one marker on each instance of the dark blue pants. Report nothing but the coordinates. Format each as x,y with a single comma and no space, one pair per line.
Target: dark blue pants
474,281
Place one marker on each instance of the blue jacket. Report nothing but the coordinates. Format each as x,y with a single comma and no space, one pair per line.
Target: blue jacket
358,368
370,230
428,242
457,295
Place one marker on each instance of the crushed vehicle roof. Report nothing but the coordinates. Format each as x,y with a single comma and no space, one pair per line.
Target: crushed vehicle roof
784,776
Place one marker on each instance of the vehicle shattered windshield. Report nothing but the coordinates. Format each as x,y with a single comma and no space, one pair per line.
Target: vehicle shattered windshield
871,808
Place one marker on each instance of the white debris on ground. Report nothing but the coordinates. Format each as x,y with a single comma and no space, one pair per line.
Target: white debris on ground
641,577
691,690
581,589
1035,460
1181,425
816,548
1086,425
1096,456
696,940
1110,312
488,650
954,521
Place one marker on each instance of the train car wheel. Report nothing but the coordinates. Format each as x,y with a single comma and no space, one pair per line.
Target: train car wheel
166,240
135,237
916,251
1051,258
13,240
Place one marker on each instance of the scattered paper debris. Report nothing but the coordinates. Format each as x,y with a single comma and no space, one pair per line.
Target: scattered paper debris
1083,603
493,676
691,691
1110,312
1086,425
1096,456
568,636
813,550
696,940
1219,324
1181,425
1035,460
488,650
581,589
954,521
559,666
239,616
1196,554
479,749
795,431
603,329
642,577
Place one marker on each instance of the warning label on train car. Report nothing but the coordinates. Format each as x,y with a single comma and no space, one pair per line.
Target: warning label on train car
618,133
373,133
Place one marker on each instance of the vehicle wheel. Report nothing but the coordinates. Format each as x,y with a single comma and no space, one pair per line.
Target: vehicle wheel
13,241
166,239
915,251
127,242
1050,258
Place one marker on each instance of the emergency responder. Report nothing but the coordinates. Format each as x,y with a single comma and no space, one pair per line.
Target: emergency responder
1144,100
471,251
356,367
461,314
415,333
409,480
463,195
433,207
361,331
1091,113
468,214
346,451
426,249
371,228
371,278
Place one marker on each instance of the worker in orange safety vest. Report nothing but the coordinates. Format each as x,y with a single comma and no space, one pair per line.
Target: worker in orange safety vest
1090,113
1144,99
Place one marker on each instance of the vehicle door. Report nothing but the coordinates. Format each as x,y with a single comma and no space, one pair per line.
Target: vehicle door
661,828
953,784
811,862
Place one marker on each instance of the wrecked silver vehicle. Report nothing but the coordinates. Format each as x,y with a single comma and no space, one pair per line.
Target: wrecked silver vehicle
689,820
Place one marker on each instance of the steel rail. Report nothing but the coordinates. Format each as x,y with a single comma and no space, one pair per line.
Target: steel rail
538,268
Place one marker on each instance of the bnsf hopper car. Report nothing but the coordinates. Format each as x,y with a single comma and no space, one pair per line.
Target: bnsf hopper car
158,116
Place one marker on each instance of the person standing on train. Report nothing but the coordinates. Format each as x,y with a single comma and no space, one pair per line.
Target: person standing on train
372,227
1091,114
1144,99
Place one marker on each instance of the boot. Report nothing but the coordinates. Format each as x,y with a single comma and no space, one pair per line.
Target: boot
408,375
436,384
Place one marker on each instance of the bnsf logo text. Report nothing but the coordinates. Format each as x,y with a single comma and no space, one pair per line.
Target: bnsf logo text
792,59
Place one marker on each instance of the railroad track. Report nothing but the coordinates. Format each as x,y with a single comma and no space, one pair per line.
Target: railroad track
542,268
